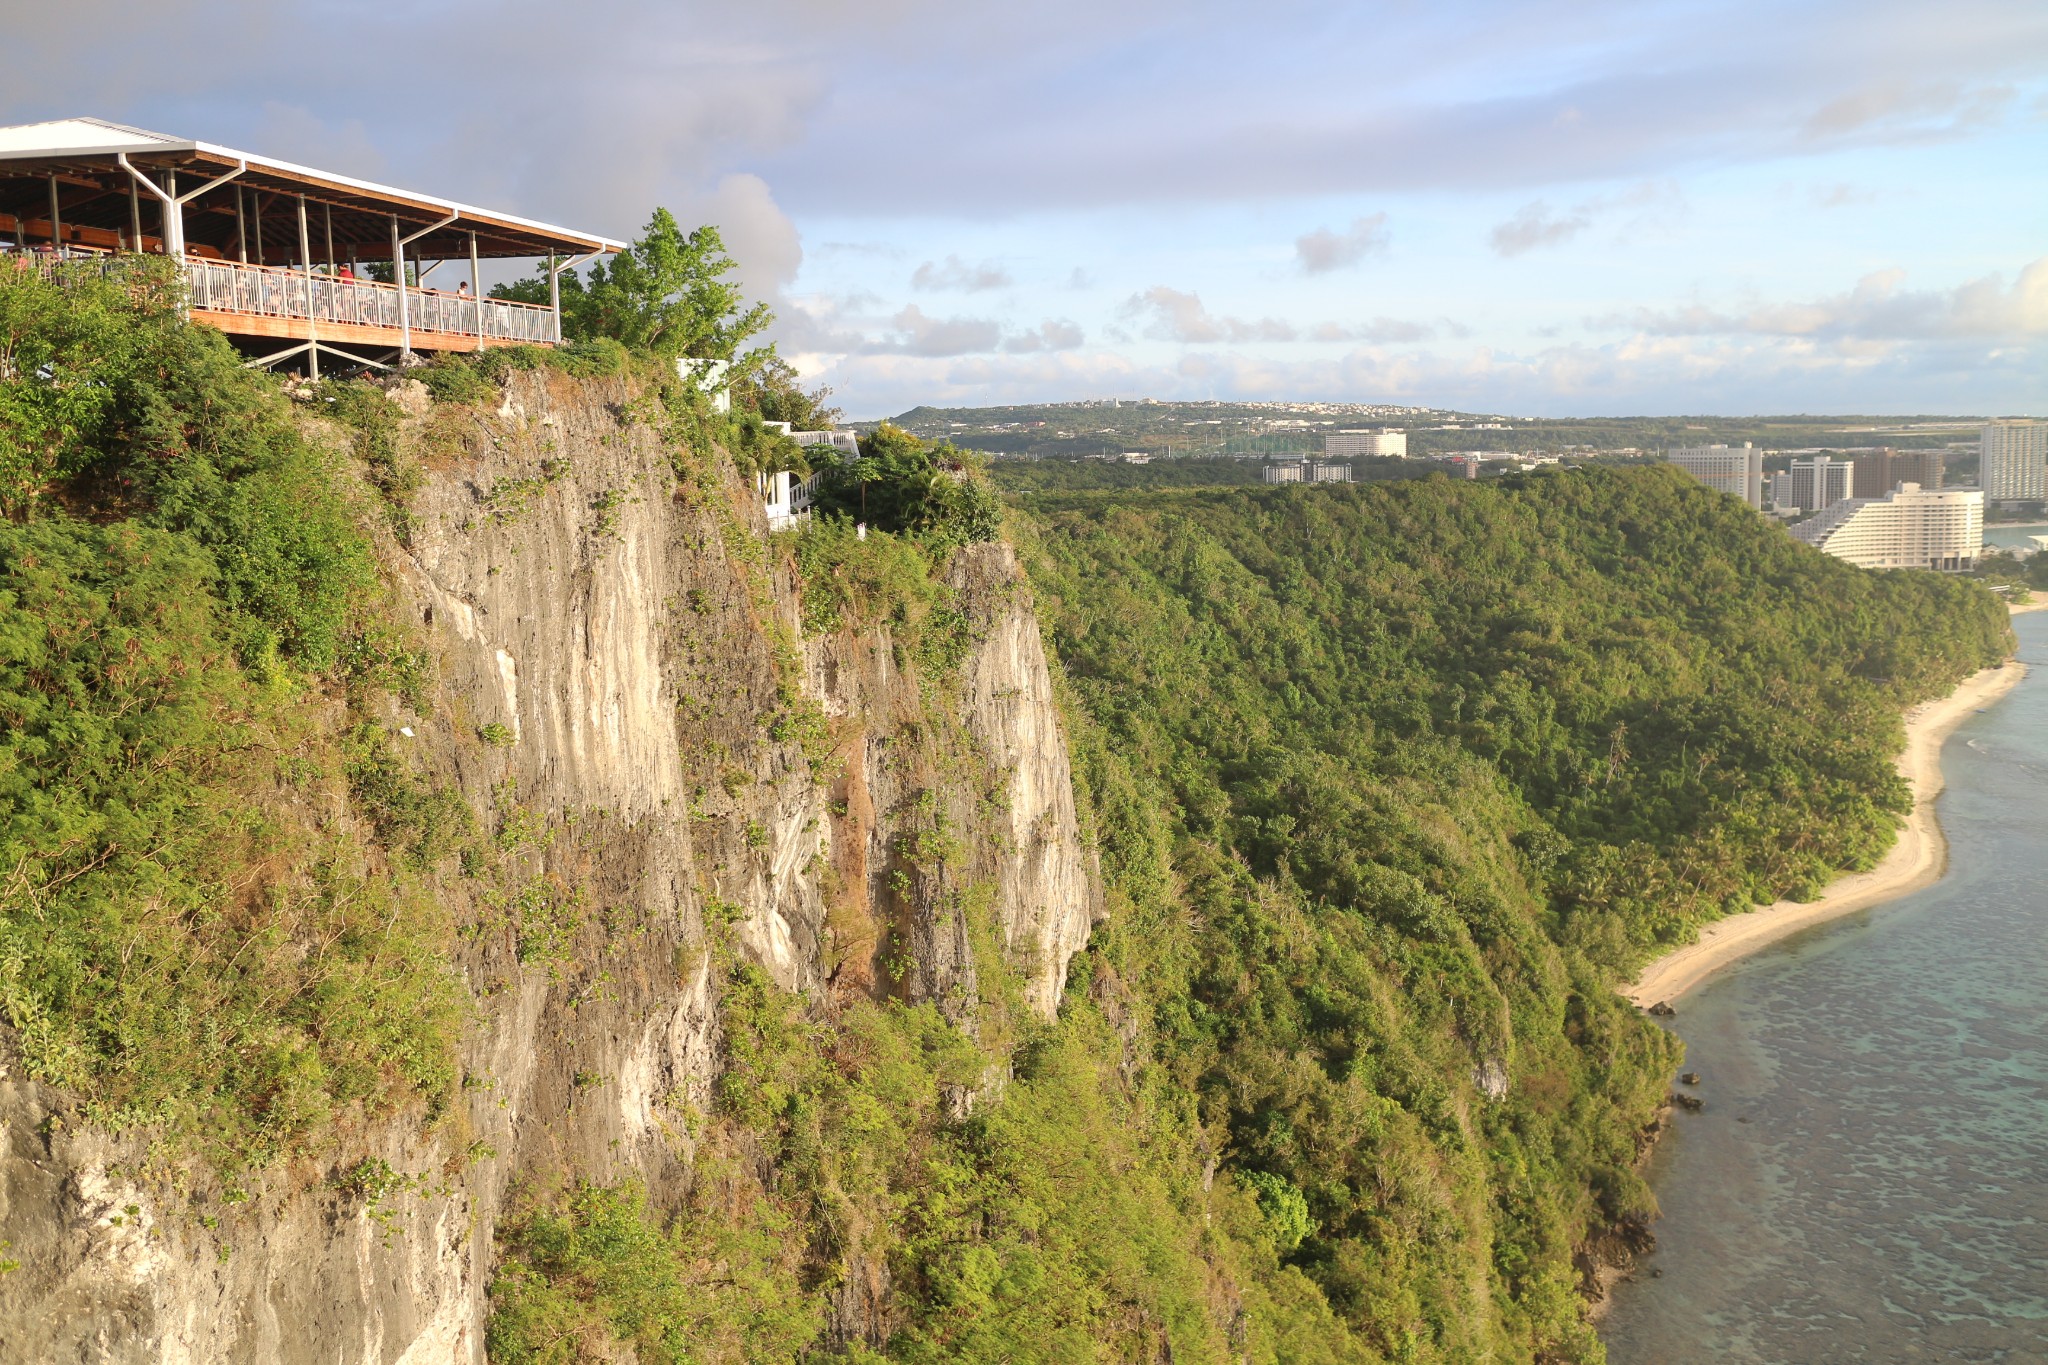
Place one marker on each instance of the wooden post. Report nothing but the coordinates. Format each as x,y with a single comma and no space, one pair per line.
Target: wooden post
256,212
327,217
56,222
306,260
241,229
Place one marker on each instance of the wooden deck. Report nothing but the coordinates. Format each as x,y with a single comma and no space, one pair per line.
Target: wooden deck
342,333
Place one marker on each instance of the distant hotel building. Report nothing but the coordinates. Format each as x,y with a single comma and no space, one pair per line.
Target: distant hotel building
1821,482
1738,470
1908,528
1781,488
2014,461
1307,471
1878,472
1340,445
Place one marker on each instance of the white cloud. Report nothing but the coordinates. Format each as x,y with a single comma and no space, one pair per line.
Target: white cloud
1877,308
1323,250
1174,315
1536,226
1380,331
916,334
955,276
1054,334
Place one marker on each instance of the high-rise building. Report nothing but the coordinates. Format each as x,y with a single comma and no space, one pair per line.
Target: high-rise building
2014,461
1287,471
1338,445
1878,472
1323,471
1821,482
1908,528
1737,470
1781,488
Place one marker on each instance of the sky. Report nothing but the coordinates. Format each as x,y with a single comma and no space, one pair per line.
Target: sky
1556,209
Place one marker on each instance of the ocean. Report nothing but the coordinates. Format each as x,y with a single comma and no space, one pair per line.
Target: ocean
1868,1181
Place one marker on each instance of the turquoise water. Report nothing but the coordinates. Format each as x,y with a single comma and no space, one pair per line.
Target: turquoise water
2014,535
1869,1179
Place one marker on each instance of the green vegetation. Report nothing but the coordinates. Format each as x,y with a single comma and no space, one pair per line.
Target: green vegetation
1389,783
665,296
178,946
1173,431
1026,477
907,486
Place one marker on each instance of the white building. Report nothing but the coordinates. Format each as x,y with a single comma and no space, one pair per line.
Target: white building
1736,470
1339,445
1322,471
2013,461
1291,471
709,376
1908,528
1781,488
1821,482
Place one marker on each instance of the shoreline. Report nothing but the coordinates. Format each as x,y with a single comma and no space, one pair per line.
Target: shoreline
1916,860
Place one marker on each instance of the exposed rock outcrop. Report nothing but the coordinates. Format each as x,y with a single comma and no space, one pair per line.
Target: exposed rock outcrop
619,631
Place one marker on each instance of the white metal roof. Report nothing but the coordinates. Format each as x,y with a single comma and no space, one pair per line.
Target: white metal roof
98,137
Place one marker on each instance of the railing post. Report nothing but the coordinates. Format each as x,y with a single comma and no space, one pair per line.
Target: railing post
306,260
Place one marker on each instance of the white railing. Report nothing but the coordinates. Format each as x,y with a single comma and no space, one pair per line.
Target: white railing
271,291
786,497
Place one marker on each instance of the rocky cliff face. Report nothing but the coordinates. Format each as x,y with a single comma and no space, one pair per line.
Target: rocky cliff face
662,752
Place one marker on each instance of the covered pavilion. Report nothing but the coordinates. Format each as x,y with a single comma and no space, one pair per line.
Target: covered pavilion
274,252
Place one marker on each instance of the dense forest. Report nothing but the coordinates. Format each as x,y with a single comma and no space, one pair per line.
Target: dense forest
1396,782
1390,784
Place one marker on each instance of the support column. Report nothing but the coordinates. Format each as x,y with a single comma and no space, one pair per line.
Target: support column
174,220
134,218
256,215
327,217
241,229
555,296
306,260
404,307
476,287
56,222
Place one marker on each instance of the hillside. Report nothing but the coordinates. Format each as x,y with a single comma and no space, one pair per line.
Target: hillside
470,893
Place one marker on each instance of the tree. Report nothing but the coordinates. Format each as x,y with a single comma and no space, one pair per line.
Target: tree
667,295
778,395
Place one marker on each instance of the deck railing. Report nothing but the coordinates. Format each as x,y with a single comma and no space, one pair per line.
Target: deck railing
278,292
270,291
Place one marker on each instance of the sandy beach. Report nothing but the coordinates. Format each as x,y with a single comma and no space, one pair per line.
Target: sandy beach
1916,860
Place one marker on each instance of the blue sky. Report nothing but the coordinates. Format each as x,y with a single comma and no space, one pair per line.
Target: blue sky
1538,208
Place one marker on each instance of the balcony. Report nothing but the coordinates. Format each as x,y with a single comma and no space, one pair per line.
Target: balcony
269,301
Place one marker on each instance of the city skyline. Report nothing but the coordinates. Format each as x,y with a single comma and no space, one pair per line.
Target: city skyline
1567,210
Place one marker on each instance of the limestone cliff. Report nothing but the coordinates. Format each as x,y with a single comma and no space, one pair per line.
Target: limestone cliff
665,751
